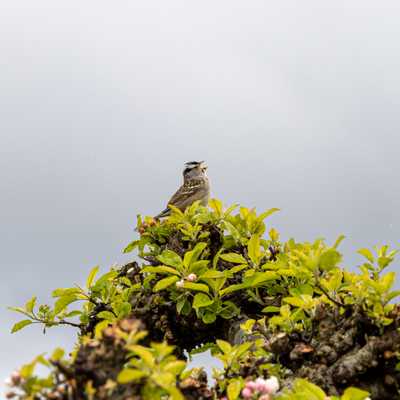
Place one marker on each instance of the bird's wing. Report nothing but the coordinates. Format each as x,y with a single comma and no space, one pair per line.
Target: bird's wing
186,191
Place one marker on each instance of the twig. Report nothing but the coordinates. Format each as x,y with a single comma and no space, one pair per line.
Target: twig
338,303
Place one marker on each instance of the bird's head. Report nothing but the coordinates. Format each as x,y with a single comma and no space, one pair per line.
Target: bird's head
194,169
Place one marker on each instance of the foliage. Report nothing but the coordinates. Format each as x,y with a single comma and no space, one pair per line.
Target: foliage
207,272
303,390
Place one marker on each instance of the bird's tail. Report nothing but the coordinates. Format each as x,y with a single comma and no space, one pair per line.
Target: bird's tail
163,213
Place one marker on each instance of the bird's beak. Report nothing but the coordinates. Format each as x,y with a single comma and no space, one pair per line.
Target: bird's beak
203,165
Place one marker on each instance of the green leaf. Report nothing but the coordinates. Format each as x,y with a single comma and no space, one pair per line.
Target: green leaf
29,306
108,276
193,255
302,289
267,213
175,393
107,315
233,389
199,266
271,309
242,349
91,276
100,326
209,317
253,247
200,287
175,210
367,254
383,261
144,353
73,313
229,310
180,303
63,302
229,210
260,277
175,367
201,300
237,268
338,241
162,269
354,394
163,379
129,374
294,301
170,258
216,205
21,324
27,370
212,274
19,310
387,280
248,325
57,354
234,258
123,309
224,346
162,349
329,259
392,295
131,246
232,230
65,291
164,283
309,390
233,288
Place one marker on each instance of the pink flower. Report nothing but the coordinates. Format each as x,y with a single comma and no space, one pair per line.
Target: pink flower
192,277
260,385
251,385
247,393
272,385
265,397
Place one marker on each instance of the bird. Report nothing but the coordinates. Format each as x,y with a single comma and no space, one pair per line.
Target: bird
195,187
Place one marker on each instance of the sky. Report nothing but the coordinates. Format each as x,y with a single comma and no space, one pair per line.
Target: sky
292,104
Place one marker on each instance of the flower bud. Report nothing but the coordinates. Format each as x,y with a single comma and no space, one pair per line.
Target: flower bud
251,385
247,393
15,378
180,283
192,277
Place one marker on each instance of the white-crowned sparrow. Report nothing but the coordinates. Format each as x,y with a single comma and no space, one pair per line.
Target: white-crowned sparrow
196,187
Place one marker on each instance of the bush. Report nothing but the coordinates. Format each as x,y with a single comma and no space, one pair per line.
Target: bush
286,320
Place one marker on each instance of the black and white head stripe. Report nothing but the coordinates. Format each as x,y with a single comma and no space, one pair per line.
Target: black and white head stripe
190,165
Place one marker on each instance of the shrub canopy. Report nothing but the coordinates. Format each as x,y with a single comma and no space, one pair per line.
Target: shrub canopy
218,279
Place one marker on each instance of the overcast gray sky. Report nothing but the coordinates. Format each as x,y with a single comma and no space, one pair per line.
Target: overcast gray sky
293,105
